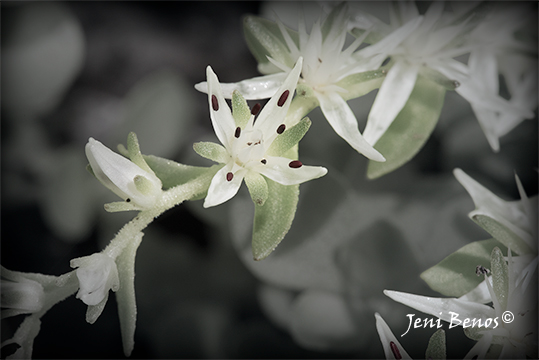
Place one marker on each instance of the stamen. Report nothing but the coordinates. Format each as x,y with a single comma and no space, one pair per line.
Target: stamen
238,132
281,129
229,176
481,270
395,350
283,98
128,200
256,109
295,164
263,161
214,103
456,84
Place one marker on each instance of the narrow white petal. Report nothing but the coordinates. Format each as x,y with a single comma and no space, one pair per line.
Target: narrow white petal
221,189
390,100
387,337
261,87
448,309
274,112
221,116
344,122
279,170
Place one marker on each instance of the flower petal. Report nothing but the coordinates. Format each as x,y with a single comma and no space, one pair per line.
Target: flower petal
260,87
279,170
343,121
221,116
390,100
387,338
221,189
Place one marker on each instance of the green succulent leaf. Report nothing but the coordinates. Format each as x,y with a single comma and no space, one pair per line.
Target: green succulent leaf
503,234
135,155
436,347
360,84
211,151
258,187
289,138
455,275
500,277
172,174
273,219
264,38
240,109
410,129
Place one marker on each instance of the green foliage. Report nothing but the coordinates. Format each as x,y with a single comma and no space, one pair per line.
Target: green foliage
436,347
455,275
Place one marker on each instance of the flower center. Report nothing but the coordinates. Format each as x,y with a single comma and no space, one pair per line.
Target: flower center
249,148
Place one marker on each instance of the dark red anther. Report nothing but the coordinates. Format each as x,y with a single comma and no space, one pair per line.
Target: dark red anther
256,109
281,129
295,164
214,103
263,161
395,350
283,98
238,132
229,176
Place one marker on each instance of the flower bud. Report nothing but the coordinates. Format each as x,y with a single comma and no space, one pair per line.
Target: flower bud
97,274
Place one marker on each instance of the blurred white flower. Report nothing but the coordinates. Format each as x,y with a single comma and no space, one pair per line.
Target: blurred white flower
247,150
19,294
392,348
97,275
126,179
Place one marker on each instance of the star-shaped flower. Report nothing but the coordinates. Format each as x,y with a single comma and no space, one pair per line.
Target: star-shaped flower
254,150
325,66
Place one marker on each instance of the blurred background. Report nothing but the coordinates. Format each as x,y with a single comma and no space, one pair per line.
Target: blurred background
74,70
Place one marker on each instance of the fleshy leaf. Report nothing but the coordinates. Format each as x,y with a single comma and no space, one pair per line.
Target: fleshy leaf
455,275
436,347
240,109
500,277
258,187
273,220
211,151
502,234
264,39
127,307
289,138
410,129
362,83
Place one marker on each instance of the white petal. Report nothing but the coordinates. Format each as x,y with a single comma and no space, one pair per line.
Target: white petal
448,309
343,121
278,170
386,337
274,112
221,119
221,189
261,87
390,100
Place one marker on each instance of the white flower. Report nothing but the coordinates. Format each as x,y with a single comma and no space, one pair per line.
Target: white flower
325,65
125,178
97,275
20,294
426,45
247,150
392,348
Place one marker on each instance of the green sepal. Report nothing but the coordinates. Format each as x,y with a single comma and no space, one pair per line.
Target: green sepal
172,173
289,138
362,83
211,151
135,155
240,109
410,129
273,220
258,187
90,170
455,275
502,234
436,347
264,38
500,277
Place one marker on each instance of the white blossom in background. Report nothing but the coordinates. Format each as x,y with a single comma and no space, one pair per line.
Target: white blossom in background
97,275
325,63
428,45
20,294
135,185
247,148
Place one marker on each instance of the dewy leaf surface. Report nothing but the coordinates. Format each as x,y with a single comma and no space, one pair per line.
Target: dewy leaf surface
410,129
455,275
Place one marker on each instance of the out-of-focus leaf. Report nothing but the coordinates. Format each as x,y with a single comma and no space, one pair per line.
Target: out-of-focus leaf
455,275
502,234
436,347
410,129
500,277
